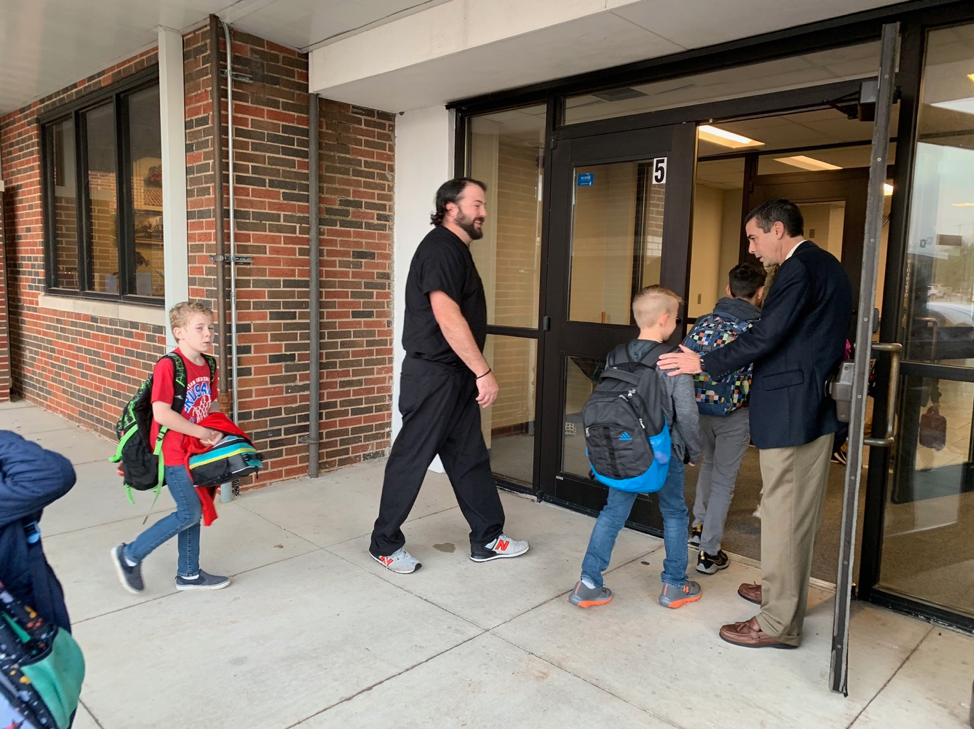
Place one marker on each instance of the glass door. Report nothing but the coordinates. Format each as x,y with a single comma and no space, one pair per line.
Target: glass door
922,556
619,221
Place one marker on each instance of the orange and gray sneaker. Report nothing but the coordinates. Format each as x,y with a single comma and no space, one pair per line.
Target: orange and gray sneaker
674,596
586,597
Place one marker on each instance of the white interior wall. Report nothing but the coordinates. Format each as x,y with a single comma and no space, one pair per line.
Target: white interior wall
708,204
424,161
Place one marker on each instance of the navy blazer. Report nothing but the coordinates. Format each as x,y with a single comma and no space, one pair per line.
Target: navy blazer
796,345
31,478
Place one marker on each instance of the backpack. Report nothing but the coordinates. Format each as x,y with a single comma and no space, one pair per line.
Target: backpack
232,458
627,438
142,464
718,397
41,669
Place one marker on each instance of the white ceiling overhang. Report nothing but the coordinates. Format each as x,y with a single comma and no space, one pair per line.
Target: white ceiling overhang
390,54
465,48
47,45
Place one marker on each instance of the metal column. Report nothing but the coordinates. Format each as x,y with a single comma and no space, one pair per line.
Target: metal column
838,678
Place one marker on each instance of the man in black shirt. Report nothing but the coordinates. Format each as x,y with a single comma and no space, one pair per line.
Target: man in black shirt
444,378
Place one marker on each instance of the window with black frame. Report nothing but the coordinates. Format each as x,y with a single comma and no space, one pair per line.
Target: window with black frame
103,197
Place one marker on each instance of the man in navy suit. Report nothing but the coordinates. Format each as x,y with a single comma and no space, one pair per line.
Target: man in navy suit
795,346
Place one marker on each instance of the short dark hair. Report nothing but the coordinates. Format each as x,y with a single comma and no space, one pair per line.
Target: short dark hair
449,192
745,280
778,211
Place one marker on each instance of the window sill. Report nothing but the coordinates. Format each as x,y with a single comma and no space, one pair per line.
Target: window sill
108,309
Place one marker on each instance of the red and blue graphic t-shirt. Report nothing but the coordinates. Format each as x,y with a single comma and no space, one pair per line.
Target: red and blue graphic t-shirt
200,392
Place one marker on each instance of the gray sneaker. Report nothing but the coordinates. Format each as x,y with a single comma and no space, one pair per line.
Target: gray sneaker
586,597
696,531
203,581
674,597
129,575
499,548
400,561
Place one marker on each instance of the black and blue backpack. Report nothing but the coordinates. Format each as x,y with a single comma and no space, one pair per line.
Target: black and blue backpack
627,438
141,461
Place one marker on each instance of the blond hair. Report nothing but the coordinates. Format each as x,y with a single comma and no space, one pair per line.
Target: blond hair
182,312
649,305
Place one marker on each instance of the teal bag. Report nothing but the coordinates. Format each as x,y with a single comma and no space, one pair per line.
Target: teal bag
41,667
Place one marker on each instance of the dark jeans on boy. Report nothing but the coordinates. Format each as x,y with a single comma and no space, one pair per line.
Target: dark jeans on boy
185,522
613,517
440,416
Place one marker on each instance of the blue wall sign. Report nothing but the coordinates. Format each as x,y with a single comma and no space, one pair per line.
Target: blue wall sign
586,179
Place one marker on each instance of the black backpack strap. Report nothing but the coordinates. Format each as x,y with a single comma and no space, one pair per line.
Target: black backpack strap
178,381
211,363
652,356
618,356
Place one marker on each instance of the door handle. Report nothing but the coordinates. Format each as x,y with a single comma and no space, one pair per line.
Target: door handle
894,349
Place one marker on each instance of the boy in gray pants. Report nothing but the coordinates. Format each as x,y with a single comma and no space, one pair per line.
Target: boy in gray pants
724,437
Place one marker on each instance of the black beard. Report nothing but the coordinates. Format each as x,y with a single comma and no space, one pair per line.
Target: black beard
471,229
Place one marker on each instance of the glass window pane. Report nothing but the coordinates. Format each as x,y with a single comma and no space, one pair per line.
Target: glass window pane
145,137
838,64
927,550
506,153
717,200
581,377
65,273
617,239
103,218
508,424
939,322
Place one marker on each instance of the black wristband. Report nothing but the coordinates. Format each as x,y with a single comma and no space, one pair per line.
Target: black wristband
489,370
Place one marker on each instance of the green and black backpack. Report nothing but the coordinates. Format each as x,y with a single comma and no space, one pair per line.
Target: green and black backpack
142,466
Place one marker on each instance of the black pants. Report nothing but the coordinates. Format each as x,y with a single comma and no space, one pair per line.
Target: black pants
440,417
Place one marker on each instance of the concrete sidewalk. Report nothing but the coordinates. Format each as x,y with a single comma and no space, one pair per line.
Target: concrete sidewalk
313,632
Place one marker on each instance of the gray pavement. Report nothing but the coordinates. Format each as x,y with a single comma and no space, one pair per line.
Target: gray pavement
314,633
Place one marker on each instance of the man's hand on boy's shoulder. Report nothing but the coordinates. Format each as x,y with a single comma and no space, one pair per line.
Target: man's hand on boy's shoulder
684,362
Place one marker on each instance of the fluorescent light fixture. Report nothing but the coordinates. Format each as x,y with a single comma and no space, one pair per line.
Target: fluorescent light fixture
964,205
970,76
725,138
887,189
807,163
964,106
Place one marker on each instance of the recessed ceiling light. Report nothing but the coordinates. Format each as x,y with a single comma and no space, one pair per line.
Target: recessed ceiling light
725,138
807,163
970,76
887,189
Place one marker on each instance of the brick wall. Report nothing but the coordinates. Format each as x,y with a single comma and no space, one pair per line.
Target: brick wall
4,327
357,181
80,366
85,367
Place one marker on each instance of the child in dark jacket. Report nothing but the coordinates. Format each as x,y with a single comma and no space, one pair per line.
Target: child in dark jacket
31,478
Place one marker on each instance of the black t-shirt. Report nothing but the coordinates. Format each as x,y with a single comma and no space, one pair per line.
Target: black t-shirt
442,263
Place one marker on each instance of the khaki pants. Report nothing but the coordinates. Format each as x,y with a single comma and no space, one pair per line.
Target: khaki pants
795,481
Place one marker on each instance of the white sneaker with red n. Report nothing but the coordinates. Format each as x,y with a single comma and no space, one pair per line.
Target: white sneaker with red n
499,548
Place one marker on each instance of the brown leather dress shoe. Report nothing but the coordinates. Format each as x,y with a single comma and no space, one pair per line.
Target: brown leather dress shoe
749,635
750,591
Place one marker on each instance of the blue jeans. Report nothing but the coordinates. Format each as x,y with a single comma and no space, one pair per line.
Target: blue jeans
613,517
185,522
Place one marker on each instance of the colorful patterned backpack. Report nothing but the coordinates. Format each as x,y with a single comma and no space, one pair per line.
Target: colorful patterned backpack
718,397
41,669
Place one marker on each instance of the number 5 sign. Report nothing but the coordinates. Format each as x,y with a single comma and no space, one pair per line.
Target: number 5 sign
659,170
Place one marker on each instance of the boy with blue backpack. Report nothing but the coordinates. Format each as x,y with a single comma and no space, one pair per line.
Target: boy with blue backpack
636,412
183,394
724,420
